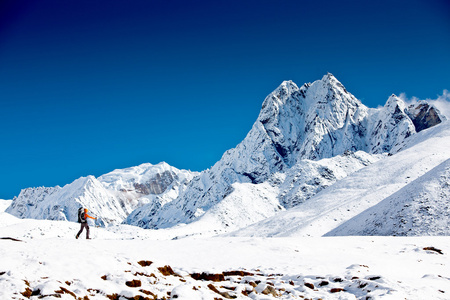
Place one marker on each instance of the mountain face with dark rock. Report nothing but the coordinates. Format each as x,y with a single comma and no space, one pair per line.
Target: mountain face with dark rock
156,185
29,199
111,197
305,141
424,115
286,149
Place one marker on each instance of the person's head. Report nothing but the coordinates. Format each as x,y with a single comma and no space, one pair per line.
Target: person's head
85,210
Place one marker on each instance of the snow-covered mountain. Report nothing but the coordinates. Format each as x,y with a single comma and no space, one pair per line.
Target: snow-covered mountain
4,204
421,207
360,191
312,154
111,197
304,140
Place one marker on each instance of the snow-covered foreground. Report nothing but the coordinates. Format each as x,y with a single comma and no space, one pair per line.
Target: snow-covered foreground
125,262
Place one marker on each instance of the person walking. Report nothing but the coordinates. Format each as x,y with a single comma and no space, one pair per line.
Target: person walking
82,218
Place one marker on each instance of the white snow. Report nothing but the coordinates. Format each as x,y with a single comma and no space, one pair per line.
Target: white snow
49,261
304,141
361,190
421,208
4,204
315,122
317,167
111,197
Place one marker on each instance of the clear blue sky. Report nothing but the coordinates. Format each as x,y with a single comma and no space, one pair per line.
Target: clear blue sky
90,86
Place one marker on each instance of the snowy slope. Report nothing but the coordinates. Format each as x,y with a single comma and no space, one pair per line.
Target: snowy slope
121,263
4,204
305,140
111,197
247,203
390,126
361,190
422,207
295,127
63,203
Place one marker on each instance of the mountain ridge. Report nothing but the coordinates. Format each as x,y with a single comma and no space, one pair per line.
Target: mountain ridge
304,141
319,120
359,191
112,196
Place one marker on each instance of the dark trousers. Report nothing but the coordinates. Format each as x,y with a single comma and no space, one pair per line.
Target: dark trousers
84,225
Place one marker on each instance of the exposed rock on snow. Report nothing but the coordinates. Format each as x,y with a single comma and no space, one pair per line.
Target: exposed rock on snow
111,197
308,177
390,126
296,130
120,263
304,142
424,115
63,203
145,179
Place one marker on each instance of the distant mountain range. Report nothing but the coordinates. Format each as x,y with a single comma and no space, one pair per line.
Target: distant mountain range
315,159
111,197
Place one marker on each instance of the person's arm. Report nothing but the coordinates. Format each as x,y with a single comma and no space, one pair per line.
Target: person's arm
88,216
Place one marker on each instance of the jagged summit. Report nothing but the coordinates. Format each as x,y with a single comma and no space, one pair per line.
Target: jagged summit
330,79
317,121
395,102
321,91
304,140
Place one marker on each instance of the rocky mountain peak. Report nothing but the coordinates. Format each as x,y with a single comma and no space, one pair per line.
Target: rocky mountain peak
330,79
394,104
279,97
294,149
424,115
330,82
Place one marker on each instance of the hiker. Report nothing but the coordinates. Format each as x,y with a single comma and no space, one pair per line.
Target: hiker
82,218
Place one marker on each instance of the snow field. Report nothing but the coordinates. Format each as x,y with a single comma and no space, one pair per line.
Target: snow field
50,262
360,190
4,204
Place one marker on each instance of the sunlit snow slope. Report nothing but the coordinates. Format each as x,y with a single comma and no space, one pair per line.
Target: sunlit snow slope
111,197
367,187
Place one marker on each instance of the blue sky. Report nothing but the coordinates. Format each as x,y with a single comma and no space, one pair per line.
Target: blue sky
90,86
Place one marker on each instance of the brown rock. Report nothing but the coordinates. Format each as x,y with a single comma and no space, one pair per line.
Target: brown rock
66,291
167,270
433,249
133,283
237,273
208,277
309,285
226,295
145,263
270,290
